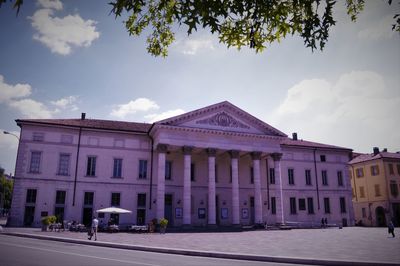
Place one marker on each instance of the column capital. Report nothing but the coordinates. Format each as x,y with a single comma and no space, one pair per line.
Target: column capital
187,150
276,156
234,154
162,148
256,155
211,152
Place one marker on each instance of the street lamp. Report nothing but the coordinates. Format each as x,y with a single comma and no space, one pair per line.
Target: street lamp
12,134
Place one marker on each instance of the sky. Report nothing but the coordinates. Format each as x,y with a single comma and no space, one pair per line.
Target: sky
60,58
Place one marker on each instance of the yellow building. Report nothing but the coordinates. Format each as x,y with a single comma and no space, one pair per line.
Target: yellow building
375,179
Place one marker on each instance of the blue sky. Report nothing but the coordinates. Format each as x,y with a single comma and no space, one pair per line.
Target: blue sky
61,58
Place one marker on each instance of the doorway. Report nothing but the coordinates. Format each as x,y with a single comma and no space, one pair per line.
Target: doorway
29,215
252,211
168,214
217,212
380,216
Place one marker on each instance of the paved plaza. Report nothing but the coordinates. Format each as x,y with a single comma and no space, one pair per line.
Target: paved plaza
350,244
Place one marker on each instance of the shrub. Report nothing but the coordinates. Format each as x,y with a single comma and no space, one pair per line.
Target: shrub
163,222
49,220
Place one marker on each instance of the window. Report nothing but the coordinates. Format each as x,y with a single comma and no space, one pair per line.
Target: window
327,205
141,200
63,164
374,170
272,175
362,192
35,162
364,212
360,172
67,139
273,205
251,175
91,166
340,178
293,208
117,170
310,205
377,190
308,177
391,169
192,172
38,136
88,199
142,169
291,176
324,178
168,170
31,196
394,190
115,199
342,205
323,158
60,197
398,169
302,204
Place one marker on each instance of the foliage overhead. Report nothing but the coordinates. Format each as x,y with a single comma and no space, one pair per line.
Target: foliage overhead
255,23
6,189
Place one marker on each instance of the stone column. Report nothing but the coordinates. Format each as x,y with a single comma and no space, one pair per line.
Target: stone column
211,186
161,149
187,204
235,187
280,213
256,156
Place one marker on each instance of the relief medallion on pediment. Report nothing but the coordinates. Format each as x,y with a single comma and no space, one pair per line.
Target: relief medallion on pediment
223,120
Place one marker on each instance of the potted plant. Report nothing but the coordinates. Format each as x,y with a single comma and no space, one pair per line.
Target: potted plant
163,225
46,221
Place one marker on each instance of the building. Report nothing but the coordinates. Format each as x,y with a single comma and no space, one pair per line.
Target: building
215,166
375,179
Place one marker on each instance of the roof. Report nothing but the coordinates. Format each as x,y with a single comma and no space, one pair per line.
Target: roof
309,144
90,123
371,156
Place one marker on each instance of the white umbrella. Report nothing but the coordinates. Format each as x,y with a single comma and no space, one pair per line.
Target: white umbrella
113,210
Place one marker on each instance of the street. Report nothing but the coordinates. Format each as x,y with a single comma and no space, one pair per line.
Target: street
17,251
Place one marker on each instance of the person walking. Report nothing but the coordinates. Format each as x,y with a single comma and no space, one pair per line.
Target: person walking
391,228
95,225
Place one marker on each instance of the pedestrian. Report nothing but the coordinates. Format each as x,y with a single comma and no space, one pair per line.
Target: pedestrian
95,225
322,222
391,228
326,222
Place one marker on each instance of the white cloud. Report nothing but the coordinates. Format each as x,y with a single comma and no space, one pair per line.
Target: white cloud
51,4
157,117
356,111
61,34
138,105
66,103
31,109
191,46
381,29
8,92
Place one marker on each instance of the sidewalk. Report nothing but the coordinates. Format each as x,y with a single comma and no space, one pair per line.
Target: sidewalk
347,246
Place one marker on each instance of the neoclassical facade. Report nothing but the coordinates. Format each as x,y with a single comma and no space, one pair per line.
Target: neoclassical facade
215,166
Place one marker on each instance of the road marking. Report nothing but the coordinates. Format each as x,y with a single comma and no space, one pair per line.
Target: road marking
88,256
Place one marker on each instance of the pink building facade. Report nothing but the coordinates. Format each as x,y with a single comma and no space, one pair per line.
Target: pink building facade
215,166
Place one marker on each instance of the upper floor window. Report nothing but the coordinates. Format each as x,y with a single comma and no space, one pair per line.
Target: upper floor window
324,178
377,190
141,200
63,164
88,198
91,166
192,172
291,176
272,175
168,170
391,169
308,177
35,162
323,158
142,169
362,192
117,169
38,136
374,170
60,197
340,178
115,199
360,172
31,196
394,190
251,175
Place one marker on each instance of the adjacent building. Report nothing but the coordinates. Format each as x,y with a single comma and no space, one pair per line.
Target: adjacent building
215,166
375,179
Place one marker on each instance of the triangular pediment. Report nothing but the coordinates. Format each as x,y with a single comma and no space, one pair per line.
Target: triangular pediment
222,116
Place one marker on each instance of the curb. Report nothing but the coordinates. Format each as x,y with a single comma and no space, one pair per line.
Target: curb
292,260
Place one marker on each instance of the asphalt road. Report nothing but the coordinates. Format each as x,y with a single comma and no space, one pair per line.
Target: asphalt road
17,251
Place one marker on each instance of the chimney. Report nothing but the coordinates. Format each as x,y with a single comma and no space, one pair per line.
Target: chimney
376,150
294,136
83,116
